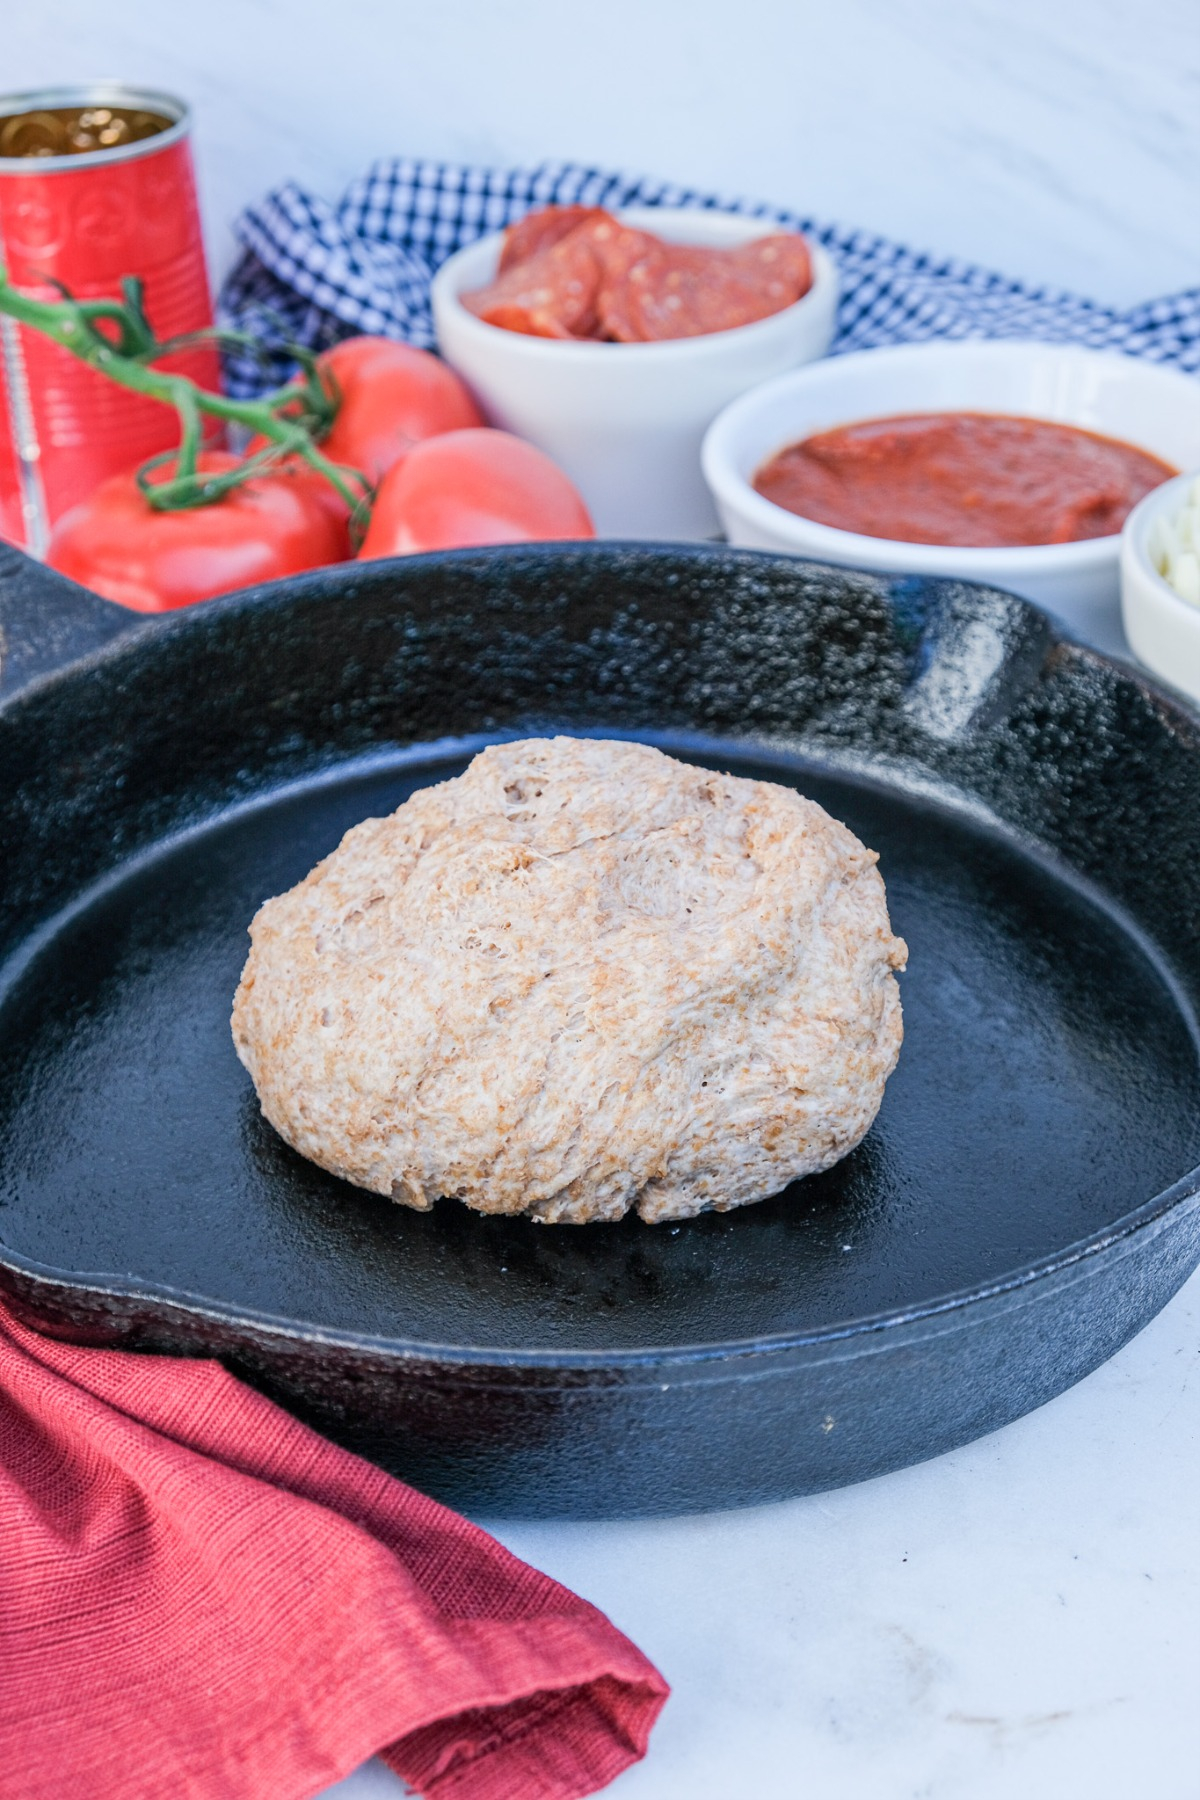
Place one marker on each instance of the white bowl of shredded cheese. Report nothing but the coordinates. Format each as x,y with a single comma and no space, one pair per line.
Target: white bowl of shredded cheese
1160,582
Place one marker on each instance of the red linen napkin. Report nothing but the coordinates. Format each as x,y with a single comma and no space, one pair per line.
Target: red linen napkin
202,1599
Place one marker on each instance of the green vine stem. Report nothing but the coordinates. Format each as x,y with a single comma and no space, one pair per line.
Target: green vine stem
292,418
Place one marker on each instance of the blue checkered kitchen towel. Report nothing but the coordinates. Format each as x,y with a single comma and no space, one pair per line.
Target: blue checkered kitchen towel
315,273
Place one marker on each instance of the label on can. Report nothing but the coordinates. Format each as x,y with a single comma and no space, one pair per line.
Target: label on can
86,218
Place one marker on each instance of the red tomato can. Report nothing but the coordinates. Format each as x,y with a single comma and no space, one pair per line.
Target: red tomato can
96,183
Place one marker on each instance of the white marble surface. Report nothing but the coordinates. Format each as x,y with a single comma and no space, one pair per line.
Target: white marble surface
1018,1620
1059,142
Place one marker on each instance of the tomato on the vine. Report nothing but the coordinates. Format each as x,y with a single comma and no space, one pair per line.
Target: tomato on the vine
116,543
473,487
390,397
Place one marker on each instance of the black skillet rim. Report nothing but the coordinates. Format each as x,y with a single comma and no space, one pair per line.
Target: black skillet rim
183,1305
180,1304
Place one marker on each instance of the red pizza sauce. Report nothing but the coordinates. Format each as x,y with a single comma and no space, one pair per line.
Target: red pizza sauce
968,479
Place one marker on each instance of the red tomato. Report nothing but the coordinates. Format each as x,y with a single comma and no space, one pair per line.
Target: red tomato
392,397
325,497
116,544
473,487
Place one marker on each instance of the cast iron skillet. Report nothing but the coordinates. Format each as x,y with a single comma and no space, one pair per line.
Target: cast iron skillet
1024,1203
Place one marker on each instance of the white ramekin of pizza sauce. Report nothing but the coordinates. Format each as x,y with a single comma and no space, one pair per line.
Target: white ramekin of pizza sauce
1141,404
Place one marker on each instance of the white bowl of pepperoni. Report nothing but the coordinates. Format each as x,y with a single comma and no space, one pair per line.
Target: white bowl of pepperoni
1030,455
564,340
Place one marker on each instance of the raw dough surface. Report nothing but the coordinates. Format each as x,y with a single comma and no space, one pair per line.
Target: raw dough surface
578,978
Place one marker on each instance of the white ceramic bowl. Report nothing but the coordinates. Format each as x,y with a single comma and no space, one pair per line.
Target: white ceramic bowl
625,420
1162,627
1155,408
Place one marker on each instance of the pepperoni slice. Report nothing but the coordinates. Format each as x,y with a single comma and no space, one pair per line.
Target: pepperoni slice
549,294
539,230
683,290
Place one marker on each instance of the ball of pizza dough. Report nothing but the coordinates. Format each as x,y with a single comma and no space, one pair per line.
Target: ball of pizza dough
578,978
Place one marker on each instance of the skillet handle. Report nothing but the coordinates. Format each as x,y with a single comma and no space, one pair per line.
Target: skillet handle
47,621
